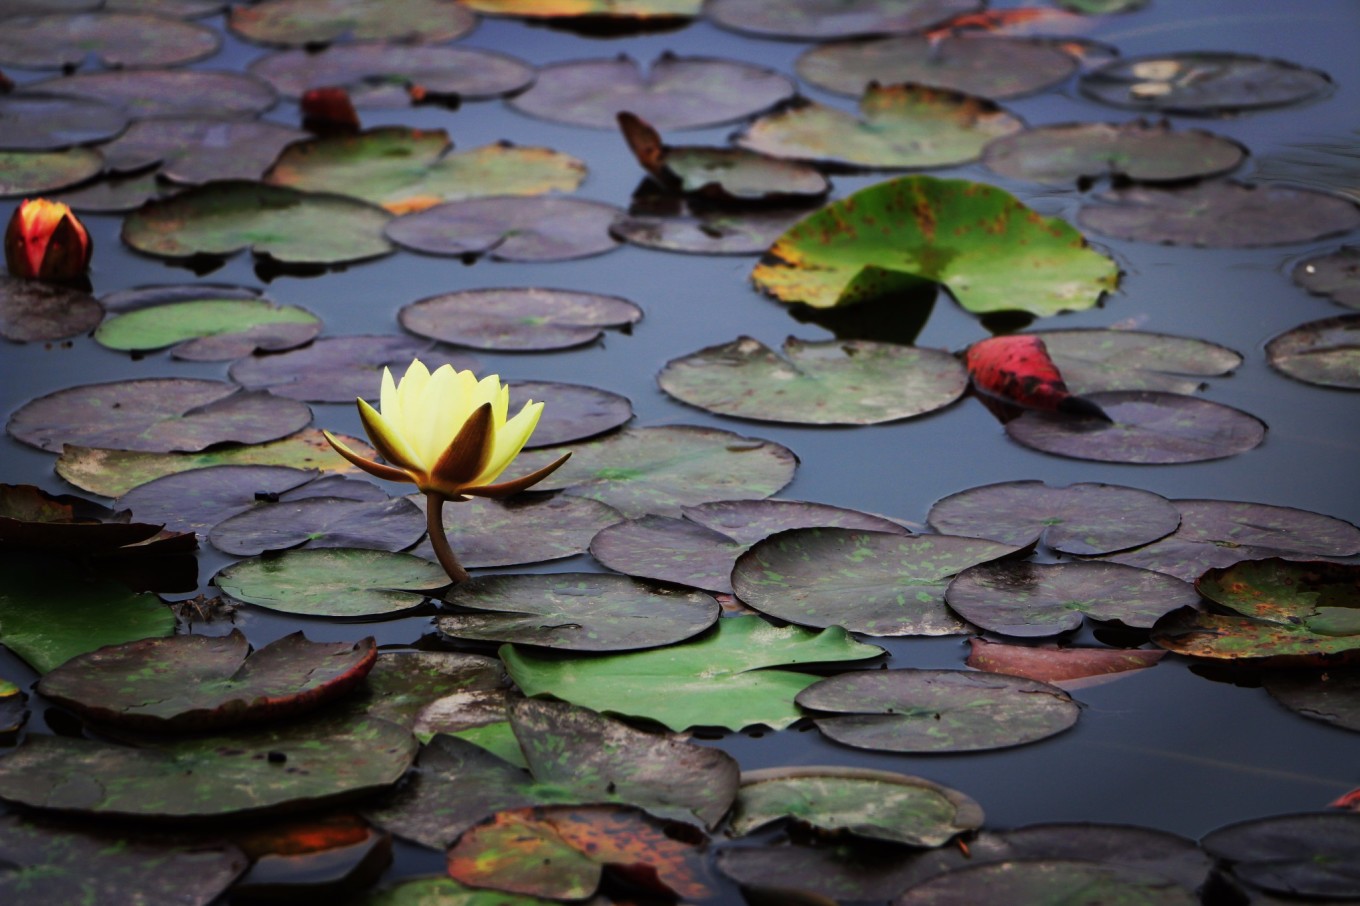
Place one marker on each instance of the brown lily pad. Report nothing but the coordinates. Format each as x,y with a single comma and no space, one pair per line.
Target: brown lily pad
1326,352
510,228
199,149
1335,275
1203,84
510,318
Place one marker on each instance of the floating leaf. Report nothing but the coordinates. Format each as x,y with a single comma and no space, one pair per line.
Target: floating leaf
31,310
320,522
1016,372
510,228
715,680
1092,360
1322,352
1335,275
1102,7
406,170
525,528
1306,855
900,126
516,319
1220,215
1145,426
1332,696
575,612
33,520
898,580
319,857
1057,665
443,892
115,194
210,330
830,382
222,218
677,92
988,249
195,683
37,121
833,18
146,93
199,149
339,369
333,582
708,232
1050,881
67,40
1202,83
39,172
1087,518
575,412
314,22
937,710
642,11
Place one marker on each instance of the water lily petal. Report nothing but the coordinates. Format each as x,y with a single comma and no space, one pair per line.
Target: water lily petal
512,438
515,485
466,456
390,445
377,469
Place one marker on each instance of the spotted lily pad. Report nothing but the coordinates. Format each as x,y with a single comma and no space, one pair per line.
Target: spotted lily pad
38,172
834,18
1203,84
34,120
339,369
676,93
525,528
1335,275
31,310
1086,518
1323,352
145,93
988,249
351,583
196,150
67,40
320,522
1304,855
937,710
1092,360
525,318
510,228
222,218
210,330
195,682
406,170
312,22
802,576
830,382
715,680
900,126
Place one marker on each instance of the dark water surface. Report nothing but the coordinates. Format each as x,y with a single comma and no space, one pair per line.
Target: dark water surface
1165,748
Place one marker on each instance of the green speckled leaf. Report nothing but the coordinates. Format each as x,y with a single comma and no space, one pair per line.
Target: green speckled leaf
1326,352
211,330
37,172
351,583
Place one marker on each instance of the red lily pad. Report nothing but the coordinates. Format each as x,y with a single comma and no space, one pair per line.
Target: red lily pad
146,93
312,22
209,329
31,310
1203,84
1305,855
510,228
1332,696
317,522
39,172
527,318
346,583
1335,275
834,18
525,528
1057,665
339,369
67,40
676,93
155,415
192,683
1326,352
1144,427
40,121
1092,360
195,150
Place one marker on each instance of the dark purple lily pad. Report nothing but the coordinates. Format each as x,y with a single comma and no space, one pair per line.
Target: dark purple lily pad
31,310
802,575
116,40
1220,215
418,689
209,329
989,67
575,612
40,121
1034,600
39,172
196,150
138,297
312,22
827,382
708,231
1087,518
676,93
525,528
1049,881
315,522
834,18
1325,352
1146,427
1203,84
155,415
510,228
379,74
346,583
1092,360
1335,275
1306,855
573,411
339,369
1332,696
518,319
193,683
170,92
937,710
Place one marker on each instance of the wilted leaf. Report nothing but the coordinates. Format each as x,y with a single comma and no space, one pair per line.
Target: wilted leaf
1325,352
336,582
66,40
518,319
509,228
1202,83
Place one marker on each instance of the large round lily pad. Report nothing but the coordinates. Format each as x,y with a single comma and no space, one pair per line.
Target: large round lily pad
31,310
221,218
937,710
988,249
510,228
575,612
39,121
38,172
1322,352
828,382
834,18
676,93
525,528
155,415
1145,427
1091,360
145,93
1306,855
302,22
878,583
195,682
510,318
1203,83
1335,275
315,522
349,583
67,40
339,369
196,150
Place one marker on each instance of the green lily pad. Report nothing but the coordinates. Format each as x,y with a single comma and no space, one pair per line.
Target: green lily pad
392,524
35,311
339,369
1326,352
443,892
222,218
1092,360
1304,855
195,150
1202,83
34,120
1146,426
1335,275
900,126
195,683
303,763
38,172
734,174
1043,599
707,231
311,22
347,583
661,469
1080,153
715,680
575,612
820,19
879,805
513,319
1220,215
1084,519
829,382
67,40
990,67
510,228
1050,881
937,710
525,528
988,249
873,582
210,330
146,93
406,170
676,93
1332,696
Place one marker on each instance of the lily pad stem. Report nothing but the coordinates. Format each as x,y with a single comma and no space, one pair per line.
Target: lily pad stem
434,521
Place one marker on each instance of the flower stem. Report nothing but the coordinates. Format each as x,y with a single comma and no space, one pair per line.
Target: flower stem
434,520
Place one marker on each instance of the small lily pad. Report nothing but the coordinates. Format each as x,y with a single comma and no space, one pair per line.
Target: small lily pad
348,583
1326,352
1335,275
195,150
525,528
1092,360
34,120
320,522
339,369
510,228
312,22
210,330
516,319
1203,84
32,310
820,19
1305,855
146,93
39,172
67,40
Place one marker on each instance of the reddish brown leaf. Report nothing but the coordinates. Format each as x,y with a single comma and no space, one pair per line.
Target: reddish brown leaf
1056,665
1017,369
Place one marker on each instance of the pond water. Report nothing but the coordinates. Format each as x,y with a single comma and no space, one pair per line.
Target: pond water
1168,748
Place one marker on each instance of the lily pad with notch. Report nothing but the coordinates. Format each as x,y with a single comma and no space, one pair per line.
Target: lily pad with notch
509,228
296,23
210,329
37,120
820,19
36,311
1096,359
194,150
38,172
518,318
390,524
1325,352
525,528
1304,855
339,369
116,40
1335,275
146,93
343,583
1203,83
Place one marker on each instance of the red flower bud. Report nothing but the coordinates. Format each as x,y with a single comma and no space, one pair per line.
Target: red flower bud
328,111
45,241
